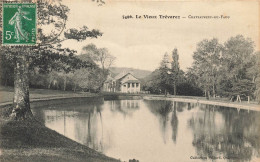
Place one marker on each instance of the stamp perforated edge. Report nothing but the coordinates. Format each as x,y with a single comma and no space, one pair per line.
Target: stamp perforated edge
1,22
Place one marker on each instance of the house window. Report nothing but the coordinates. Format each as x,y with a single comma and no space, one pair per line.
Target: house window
133,85
124,85
137,84
128,85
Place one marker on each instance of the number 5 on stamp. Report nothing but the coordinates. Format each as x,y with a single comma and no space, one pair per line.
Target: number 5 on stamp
19,24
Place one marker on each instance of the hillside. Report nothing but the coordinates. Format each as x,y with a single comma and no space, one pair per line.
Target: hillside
137,72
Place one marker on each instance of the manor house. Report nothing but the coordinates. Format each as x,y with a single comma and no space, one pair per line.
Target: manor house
124,83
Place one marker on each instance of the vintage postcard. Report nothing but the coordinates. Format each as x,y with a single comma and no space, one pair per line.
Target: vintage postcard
130,81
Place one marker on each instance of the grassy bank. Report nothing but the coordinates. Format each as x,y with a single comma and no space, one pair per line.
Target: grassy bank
30,140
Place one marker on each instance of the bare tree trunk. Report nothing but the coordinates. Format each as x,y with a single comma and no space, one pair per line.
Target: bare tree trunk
238,98
21,101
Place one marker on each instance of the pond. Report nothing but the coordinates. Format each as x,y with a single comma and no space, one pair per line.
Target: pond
159,131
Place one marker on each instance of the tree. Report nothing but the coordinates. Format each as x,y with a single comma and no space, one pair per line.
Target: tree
52,15
254,74
50,66
237,60
89,79
257,91
99,55
167,77
226,70
165,74
175,69
206,64
151,82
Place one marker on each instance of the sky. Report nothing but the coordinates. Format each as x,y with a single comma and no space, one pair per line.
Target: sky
141,43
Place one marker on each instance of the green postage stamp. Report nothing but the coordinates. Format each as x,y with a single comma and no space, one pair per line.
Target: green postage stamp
19,24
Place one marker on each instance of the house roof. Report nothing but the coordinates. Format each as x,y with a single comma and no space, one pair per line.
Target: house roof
132,81
121,75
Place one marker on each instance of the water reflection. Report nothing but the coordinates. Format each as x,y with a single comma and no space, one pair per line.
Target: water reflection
157,130
126,107
162,109
174,123
226,133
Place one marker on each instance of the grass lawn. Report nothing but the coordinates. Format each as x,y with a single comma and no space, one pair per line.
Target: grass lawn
6,94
